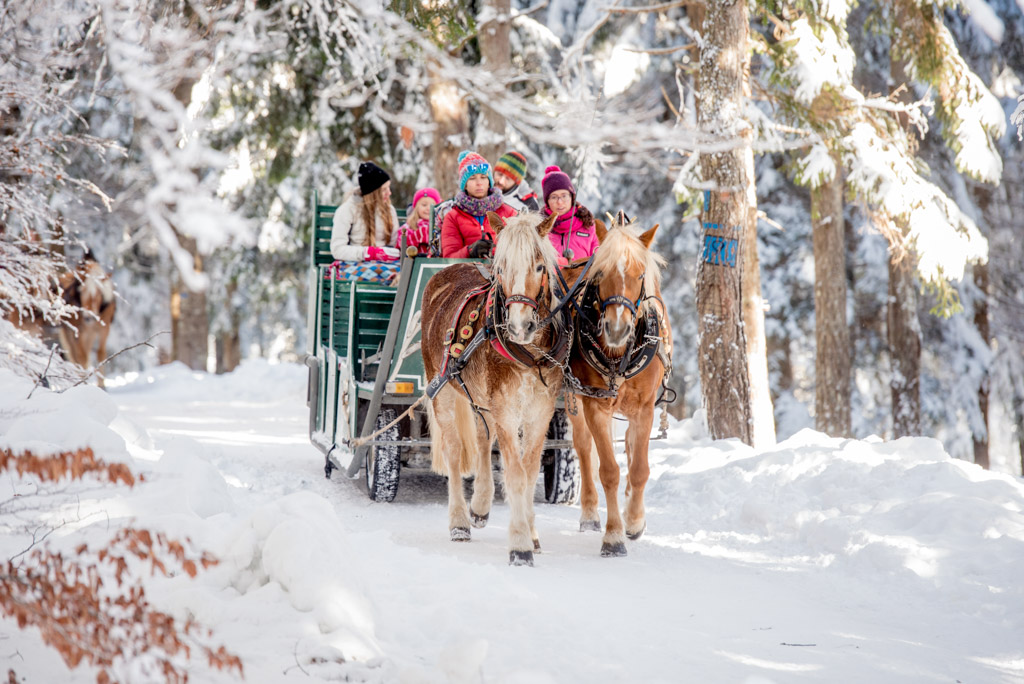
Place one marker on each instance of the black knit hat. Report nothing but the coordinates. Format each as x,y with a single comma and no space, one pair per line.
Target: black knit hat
371,177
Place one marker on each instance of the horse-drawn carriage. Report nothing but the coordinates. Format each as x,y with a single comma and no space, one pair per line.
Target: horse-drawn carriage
366,377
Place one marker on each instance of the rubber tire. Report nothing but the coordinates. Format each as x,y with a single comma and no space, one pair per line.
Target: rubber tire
383,463
561,466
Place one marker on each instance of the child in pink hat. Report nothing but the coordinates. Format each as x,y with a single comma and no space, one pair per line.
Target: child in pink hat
415,232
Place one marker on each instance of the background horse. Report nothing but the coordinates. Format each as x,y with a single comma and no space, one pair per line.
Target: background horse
623,295
514,400
89,289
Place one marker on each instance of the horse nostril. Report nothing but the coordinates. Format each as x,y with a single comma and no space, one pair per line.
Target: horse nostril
530,327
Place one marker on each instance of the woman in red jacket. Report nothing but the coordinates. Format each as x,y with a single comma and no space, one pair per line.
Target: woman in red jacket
465,231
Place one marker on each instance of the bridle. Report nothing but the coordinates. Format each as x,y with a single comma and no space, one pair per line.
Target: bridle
641,347
495,326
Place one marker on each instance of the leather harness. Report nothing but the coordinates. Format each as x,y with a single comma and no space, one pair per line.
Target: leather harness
494,307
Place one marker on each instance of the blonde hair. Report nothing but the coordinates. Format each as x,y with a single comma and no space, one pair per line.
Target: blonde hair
374,205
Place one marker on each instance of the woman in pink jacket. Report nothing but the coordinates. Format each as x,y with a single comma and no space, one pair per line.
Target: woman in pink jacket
573,235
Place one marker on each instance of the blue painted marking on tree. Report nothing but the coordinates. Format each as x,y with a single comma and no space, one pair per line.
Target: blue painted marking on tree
720,251
707,200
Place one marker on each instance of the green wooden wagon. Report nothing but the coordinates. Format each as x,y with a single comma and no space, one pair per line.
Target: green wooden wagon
365,371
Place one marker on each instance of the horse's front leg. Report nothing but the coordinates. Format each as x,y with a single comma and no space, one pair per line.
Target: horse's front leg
638,443
590,519
521,452
483,483
446,439
599,418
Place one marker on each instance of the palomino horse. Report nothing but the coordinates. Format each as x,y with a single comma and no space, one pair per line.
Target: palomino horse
493,355
619,360
90,290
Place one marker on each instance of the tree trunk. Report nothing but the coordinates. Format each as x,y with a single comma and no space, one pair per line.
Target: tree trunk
763,414
228,346
451,130
496,58
981,456
831,334
904,327
904,347
190,322
1018,423
725,378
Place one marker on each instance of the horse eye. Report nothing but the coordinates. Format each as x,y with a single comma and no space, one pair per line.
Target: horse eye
540,267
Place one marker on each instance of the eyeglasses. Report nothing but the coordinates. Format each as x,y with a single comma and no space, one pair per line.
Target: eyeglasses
560,197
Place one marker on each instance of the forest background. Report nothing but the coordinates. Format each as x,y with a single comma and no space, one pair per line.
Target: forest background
181,142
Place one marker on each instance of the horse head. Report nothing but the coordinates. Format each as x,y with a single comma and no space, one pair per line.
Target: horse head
626,272
524,260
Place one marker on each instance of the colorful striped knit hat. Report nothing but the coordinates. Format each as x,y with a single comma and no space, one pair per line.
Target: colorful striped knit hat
470,164
513,165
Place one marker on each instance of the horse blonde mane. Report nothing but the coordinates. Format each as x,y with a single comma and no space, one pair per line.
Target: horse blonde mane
518,243
622,249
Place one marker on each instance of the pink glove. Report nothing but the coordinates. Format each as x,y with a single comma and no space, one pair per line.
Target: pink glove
381,254
420,236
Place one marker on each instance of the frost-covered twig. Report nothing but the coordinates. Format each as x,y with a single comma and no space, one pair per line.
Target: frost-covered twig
113,356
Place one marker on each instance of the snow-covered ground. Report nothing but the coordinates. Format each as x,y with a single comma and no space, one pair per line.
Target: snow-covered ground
820,560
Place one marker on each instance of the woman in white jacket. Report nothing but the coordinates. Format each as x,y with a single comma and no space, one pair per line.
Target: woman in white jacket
351,236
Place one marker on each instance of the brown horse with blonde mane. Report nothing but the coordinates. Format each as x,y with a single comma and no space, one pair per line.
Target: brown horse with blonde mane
89,290
620,361
491,350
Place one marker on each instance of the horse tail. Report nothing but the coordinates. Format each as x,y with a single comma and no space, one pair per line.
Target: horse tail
437,463
465,428
465,423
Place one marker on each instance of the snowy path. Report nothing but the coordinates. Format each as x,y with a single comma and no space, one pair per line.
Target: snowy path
821,561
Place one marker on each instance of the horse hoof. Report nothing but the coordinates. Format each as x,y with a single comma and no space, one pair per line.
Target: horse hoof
609,550
479,521
590,525
536,545
636,535
460,534
520,558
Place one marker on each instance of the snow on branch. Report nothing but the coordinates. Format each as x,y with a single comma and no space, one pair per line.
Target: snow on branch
562,118
817,61
973,120
886,176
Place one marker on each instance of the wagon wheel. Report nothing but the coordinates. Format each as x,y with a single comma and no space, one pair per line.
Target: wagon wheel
561,466
383,464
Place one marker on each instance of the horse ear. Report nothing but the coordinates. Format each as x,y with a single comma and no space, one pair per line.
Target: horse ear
497,223
648,237
546,225
600,229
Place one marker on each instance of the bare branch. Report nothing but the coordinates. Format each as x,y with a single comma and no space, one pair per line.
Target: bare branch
649,8
664,50
114,355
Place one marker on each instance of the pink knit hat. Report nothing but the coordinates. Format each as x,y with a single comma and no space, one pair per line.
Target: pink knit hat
556,179
426,192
